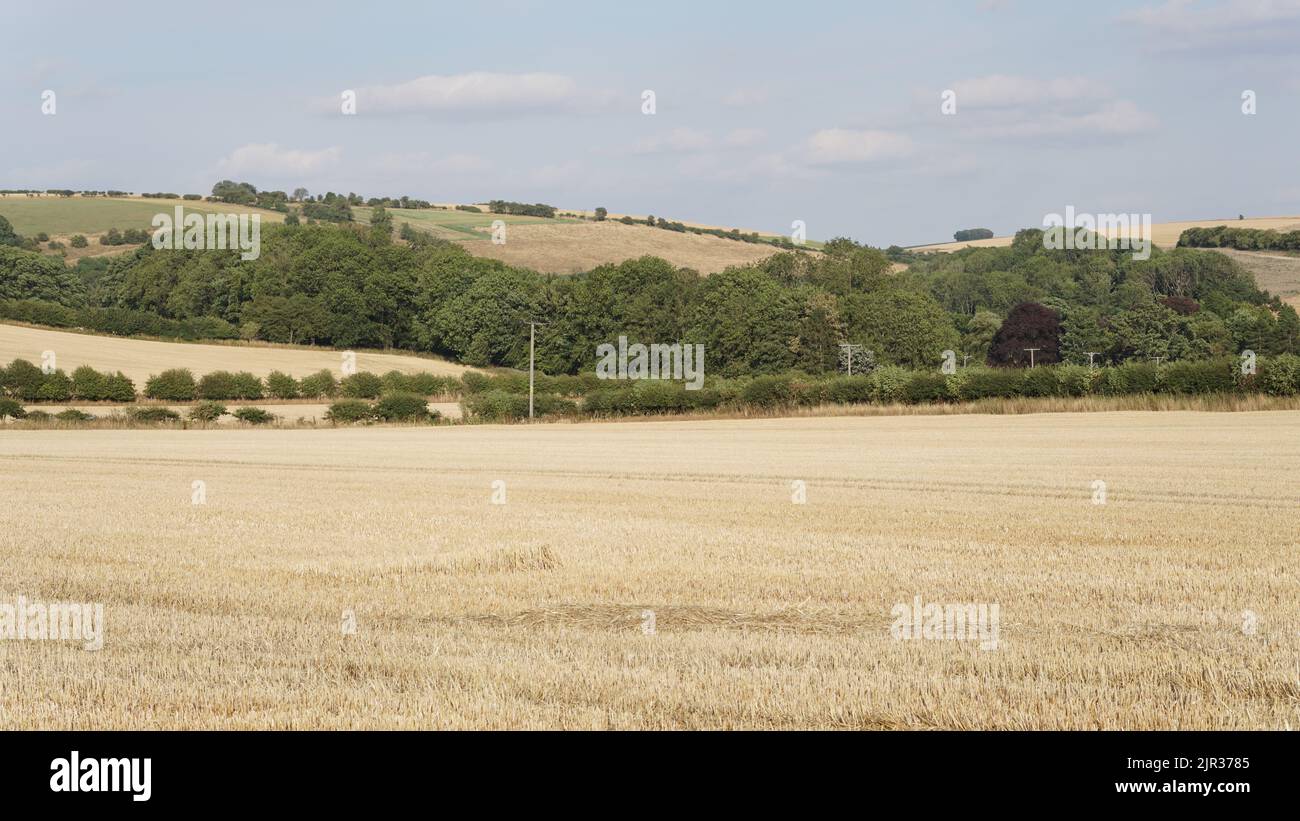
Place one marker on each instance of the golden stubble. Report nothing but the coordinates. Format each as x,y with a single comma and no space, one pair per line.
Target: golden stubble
765,613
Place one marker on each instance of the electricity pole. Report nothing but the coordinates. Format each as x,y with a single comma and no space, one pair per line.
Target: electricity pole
532,335
846,353
1031,355
1156,359
1091,354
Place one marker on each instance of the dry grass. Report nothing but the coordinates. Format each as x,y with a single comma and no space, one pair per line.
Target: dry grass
1275,272
1163,234
767,613
580,246
140,359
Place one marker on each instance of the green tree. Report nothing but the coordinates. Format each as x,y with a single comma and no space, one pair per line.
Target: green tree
901,327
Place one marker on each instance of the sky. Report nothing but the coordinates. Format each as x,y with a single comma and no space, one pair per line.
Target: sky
829,113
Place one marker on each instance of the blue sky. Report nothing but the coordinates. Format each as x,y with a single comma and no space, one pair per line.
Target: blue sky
766,113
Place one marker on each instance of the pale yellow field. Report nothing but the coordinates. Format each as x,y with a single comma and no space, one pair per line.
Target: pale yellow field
289,413
1163,234
1174,605
140,359
580,246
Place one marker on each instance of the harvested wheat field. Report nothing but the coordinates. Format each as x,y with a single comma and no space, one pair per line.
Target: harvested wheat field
140,359
569,248
1163,234
660,575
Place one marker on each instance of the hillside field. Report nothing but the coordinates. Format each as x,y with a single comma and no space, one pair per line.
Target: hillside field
140,359
561,245
1163,234
660,575
65,216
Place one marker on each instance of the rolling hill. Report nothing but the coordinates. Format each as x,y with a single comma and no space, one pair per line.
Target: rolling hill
140,359
1164,234
567,244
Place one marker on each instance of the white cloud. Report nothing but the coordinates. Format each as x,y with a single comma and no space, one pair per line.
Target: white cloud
838,145
1119,118
1005,90
1190,16
745,137
478,93
1247,27
272,160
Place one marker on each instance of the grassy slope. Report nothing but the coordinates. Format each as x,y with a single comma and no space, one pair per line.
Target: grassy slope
64,216
140,359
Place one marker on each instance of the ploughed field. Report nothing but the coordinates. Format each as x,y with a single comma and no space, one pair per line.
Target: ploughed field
662,574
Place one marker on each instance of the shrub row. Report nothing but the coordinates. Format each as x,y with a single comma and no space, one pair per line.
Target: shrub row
398,406
116,321
24,381
180,385
1277,376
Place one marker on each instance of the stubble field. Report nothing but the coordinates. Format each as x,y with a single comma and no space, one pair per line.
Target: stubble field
142,358
659,575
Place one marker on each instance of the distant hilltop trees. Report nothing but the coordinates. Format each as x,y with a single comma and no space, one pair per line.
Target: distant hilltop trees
968,234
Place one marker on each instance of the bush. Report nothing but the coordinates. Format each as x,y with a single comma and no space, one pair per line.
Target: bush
281,385
1131,377
207,411
11,408
767,392
254,416
153,414
175,385
22,379
73,415
1039,382
926,387
39,416
1280,375
217,385
56,387
361,385
88,384
427,384
350,410
119,388
247,386
402,407
889,383
78,241
845,390
989,383
496,406
1201,377
475,382
1074,380
318,385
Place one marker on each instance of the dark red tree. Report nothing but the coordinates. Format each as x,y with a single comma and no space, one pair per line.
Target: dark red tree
1028,325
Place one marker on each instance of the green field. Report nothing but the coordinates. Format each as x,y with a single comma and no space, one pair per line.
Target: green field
94,215
453,225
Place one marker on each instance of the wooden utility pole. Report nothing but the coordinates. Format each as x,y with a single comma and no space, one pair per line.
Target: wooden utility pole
1031,355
